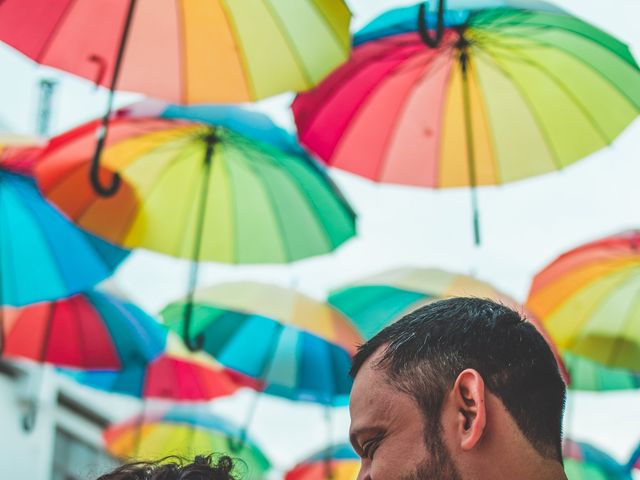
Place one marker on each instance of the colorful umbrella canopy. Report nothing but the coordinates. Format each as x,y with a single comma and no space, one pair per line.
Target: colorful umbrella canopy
588,300
18,152
585,462
35,236
585,374
271,334
187,52
191,189
634,461
500,94
344,464
374,302
172,375
183,432
91,330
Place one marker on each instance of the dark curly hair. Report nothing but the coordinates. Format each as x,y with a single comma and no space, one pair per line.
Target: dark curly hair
204,467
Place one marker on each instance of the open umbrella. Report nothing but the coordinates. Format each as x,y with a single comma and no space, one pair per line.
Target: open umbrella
496,92
183,432
344,464
374,302
199,191
589,375
588,301
585,462
187,52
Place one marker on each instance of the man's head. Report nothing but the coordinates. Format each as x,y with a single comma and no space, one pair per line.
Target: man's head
449,381
174,468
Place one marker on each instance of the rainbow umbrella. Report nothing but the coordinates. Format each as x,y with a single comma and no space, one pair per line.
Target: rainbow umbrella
186,433
344,464
91,330
587,375
585,462
199,191
499,92
374,302
588,300
193,52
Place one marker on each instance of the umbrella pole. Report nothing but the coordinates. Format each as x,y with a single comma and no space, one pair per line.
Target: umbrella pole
101,132
196,343
468,124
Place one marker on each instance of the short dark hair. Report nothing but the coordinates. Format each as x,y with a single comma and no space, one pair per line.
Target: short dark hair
426,350
204,467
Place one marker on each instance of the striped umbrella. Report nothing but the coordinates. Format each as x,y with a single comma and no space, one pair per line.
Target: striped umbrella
199,191
374,302
188,52
500,91
344,464
184,432
588,300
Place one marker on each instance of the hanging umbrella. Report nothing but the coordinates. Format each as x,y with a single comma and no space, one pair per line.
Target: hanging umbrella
588,375
91,330
588,300
172,375
200,192
183,432
271,334
497,93
187,52
585,462
34,236
344,465
373,303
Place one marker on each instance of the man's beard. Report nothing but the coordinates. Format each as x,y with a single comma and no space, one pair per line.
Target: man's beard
440,466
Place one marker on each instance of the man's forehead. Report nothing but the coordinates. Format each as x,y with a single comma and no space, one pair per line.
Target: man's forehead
371,391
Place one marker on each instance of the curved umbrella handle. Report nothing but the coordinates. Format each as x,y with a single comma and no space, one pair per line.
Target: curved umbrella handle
423,28
194,344
94,173
235,444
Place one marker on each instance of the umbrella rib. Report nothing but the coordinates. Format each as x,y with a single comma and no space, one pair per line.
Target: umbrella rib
581,60
54,31
330,26
549,144
291,44
238,48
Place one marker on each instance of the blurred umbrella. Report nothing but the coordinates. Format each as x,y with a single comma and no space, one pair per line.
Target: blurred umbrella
35,237
634,460
18,152
588,300
90,330
584,462
183,432
195,52
201,192
374,302
170,376
493,95
344,464
587,375
296,347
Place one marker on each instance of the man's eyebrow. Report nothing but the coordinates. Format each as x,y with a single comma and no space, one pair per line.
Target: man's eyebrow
355,434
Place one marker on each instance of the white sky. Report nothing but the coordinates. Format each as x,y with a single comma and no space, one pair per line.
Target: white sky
524,226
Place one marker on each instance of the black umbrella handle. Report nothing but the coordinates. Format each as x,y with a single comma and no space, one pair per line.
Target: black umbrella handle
423,27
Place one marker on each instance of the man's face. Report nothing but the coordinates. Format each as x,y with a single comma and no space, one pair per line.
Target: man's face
388,432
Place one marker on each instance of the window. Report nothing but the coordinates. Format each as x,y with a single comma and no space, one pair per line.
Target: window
74,459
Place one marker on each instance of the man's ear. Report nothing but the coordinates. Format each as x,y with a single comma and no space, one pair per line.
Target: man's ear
468,396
